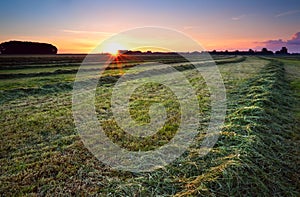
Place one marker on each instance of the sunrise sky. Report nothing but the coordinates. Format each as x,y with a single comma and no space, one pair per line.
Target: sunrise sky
79,26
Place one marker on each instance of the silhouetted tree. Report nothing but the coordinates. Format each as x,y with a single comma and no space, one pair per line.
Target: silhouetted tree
250,51
283,51
20,47
265,51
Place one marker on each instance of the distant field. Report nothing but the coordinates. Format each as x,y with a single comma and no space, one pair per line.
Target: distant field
257,152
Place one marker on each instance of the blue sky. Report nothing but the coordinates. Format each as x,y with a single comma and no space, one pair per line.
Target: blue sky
78,26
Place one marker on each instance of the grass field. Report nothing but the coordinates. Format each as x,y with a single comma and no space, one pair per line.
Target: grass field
257,153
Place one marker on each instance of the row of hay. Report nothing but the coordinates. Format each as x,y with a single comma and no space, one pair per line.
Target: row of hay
258,154
254,156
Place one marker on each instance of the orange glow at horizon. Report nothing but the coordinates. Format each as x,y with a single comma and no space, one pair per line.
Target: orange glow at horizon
114,47
81,45
87,43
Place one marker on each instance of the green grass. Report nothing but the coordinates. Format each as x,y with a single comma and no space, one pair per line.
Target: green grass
257,153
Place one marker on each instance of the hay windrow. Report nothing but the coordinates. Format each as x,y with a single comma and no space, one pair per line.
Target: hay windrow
258,133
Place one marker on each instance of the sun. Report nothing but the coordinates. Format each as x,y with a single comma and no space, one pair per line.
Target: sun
113,48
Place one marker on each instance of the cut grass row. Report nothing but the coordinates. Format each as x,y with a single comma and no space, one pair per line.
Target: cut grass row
263,156
56,68
61,80
41,152
13,62
40,149
257,153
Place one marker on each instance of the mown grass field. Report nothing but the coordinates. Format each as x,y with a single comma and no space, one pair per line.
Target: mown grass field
257,153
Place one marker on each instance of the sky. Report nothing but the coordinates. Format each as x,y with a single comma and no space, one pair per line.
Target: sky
79,26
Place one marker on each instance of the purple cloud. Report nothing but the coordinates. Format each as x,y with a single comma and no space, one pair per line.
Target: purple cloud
292,44
295,40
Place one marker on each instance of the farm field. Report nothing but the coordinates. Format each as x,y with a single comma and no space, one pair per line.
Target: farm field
257,153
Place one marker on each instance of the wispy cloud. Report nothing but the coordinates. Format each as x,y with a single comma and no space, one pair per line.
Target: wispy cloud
191,27
86,32
238,17
290,12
